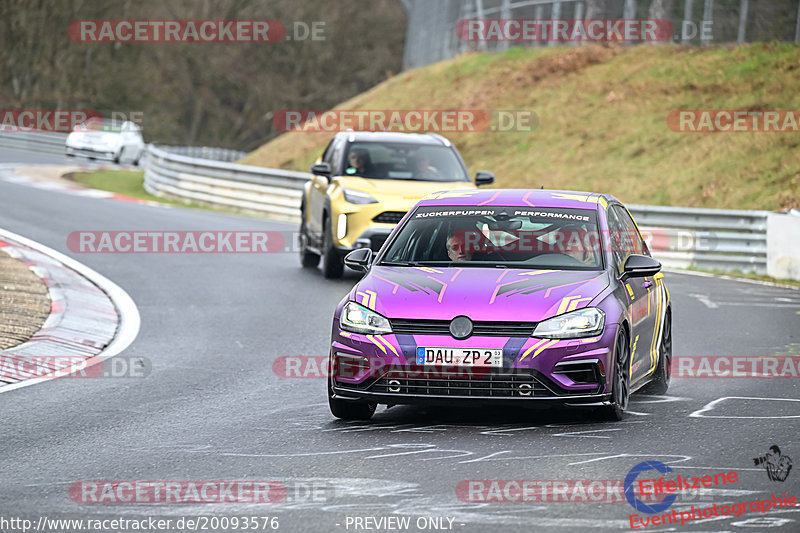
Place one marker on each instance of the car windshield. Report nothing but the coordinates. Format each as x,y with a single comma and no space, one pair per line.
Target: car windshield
100,124
403,161
511,237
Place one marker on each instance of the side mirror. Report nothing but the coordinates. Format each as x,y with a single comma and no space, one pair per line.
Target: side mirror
359,260
322,169
483,177
640,266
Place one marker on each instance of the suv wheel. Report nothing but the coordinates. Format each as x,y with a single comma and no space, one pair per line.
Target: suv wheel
307,258
332,264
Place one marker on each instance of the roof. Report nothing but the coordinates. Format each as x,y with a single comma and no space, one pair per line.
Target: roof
397,137
519,197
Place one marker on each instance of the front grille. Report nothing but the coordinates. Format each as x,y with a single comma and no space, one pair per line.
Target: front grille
389,217
454,383
442,327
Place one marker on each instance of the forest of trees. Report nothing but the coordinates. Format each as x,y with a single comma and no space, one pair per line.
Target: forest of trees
217,94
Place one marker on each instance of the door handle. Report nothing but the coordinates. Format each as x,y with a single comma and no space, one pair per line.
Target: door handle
647,284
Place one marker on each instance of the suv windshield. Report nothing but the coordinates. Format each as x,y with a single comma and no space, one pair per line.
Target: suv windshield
513,237
403,161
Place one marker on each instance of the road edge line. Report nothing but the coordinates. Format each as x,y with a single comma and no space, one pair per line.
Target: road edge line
129,318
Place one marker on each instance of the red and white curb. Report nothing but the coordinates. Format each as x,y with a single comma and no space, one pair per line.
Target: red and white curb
74,190
91,318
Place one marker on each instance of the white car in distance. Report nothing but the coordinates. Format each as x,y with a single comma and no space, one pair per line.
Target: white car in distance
106,139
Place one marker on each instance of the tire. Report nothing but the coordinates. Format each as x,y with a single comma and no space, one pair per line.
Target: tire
307,258
118,157
621,386
349,410
332,263
663,374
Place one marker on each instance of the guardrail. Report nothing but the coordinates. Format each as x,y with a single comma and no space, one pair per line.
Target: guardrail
266,191
205,152
37,141
709,239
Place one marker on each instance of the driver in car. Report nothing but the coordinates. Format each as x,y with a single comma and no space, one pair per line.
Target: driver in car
424,166
573,242
457,247
359,162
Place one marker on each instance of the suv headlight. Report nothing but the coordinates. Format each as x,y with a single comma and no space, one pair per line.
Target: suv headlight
359,319
358,197
573,325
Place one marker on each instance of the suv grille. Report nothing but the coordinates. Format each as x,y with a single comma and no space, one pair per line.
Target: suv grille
389,217
481,329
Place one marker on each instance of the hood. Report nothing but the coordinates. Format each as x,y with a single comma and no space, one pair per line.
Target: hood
108,137
409,189
491,294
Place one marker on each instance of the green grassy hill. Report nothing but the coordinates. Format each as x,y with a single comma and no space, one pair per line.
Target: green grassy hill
602,121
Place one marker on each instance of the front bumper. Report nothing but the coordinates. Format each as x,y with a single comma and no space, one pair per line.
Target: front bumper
502,387
95,152
383,369
372,238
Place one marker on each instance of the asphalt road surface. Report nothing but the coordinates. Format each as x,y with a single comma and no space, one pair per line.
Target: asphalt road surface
213,409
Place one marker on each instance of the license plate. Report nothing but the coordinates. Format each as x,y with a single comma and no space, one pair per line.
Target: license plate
472,357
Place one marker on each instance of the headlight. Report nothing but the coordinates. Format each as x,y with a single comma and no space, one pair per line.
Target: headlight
574,325
358,197
359,319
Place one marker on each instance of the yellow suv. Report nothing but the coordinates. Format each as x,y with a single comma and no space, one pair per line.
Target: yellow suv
363,185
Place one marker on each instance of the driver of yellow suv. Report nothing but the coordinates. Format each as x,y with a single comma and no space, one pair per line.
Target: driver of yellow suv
359,162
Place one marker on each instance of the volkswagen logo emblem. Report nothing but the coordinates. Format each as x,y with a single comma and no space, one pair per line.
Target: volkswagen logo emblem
461,327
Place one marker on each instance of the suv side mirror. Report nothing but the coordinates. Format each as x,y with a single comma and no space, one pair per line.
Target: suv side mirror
322,169
640,266
483,177
359,260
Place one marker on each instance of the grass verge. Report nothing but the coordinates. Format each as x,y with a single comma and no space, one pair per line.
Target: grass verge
131,183
603,121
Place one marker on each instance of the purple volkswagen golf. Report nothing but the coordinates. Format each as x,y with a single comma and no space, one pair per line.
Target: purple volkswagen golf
508,296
